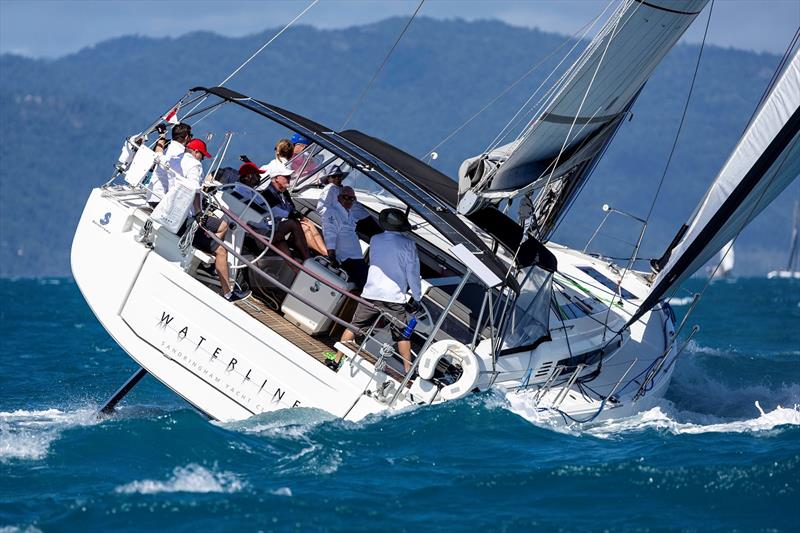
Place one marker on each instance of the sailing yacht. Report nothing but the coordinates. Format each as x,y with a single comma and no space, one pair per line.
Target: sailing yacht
504,307
724,263
792,270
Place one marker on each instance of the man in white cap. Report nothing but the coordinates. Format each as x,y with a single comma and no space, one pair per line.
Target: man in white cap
287,217
393,271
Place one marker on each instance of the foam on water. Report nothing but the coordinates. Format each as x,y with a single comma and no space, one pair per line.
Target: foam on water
680,301
191,478
660,418
28,435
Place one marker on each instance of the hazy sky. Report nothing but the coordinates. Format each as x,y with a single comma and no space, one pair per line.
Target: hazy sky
52,28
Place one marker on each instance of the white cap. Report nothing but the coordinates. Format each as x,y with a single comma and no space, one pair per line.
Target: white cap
277,168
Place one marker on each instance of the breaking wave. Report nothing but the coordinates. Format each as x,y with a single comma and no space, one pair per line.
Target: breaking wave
28,435
191,478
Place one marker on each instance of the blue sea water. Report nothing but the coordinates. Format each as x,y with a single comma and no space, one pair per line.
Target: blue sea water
707,458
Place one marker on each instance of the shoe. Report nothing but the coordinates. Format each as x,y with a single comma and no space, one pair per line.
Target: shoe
332,364
235,296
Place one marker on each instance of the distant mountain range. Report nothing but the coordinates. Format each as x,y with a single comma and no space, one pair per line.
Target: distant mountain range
62,121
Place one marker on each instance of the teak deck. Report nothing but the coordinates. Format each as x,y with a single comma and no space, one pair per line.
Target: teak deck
316,347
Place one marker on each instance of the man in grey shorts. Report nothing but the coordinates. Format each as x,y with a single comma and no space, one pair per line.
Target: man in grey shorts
393,271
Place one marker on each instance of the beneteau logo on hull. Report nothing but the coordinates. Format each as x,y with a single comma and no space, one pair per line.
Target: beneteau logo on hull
206,359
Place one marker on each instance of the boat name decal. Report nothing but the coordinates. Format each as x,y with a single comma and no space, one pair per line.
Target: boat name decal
207,360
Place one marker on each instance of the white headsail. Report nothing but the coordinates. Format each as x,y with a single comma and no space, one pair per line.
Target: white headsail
573,126
764,162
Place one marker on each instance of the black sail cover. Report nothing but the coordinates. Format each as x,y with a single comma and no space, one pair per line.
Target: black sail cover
765,161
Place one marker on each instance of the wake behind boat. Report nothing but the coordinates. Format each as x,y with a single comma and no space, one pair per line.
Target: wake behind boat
501,306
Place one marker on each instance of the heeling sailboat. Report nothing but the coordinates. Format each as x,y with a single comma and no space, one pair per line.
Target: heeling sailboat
574,332
792,270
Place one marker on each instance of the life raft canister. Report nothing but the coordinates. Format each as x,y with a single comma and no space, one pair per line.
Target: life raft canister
457,353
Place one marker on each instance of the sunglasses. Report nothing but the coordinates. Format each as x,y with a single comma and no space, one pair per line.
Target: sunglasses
347,197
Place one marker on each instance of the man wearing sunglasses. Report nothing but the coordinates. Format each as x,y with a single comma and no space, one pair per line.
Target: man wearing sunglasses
339,232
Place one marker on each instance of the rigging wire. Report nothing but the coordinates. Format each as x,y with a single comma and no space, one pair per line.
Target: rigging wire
286,27
683,118
549,93
240,67
383,64
629,266
573,37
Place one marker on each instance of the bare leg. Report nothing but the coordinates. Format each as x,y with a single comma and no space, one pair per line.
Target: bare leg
293,229
313,238
221,262
404,349
346,336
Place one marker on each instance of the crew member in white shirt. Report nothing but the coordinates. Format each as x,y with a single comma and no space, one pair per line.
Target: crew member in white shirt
330,196
393,271
339,232
192,175
167,156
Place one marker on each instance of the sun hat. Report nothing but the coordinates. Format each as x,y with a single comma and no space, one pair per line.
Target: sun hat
393,219
200,146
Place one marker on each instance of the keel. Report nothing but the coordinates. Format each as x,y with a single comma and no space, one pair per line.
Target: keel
112,402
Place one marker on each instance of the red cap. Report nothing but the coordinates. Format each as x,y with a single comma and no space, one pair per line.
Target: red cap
200,146
250,168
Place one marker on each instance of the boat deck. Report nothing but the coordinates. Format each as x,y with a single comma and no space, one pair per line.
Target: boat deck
314,346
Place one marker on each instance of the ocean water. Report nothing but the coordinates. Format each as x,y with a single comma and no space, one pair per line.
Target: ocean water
721,451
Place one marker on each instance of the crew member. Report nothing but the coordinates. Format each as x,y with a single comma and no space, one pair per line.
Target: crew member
168,155
393,270
339,231
192,173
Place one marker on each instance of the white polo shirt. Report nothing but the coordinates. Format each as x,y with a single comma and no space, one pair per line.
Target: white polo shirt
393,268
164,174
339,232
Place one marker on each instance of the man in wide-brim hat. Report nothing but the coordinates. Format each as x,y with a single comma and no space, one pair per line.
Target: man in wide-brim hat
393,271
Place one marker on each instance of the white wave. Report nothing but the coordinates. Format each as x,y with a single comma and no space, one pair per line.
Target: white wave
693,347
28,435
283,423
678,301
20,529
191,478
282,491
658,418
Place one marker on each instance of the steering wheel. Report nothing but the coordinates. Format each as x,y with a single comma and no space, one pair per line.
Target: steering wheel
250,209
424,320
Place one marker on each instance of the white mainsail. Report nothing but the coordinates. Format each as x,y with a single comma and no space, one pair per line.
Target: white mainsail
592,98
765,161
725,262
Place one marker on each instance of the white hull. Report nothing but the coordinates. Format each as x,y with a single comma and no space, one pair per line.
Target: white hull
231,366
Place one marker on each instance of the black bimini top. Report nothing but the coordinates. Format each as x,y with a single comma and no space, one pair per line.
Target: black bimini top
428,192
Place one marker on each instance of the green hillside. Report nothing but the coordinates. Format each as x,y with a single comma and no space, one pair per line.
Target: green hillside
62,121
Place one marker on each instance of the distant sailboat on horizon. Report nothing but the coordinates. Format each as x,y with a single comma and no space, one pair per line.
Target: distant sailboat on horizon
726,261
793,266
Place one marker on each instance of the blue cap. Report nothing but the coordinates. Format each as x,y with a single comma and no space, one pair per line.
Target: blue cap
299,139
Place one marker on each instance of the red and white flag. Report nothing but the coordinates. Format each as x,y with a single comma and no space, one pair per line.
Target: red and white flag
172,116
